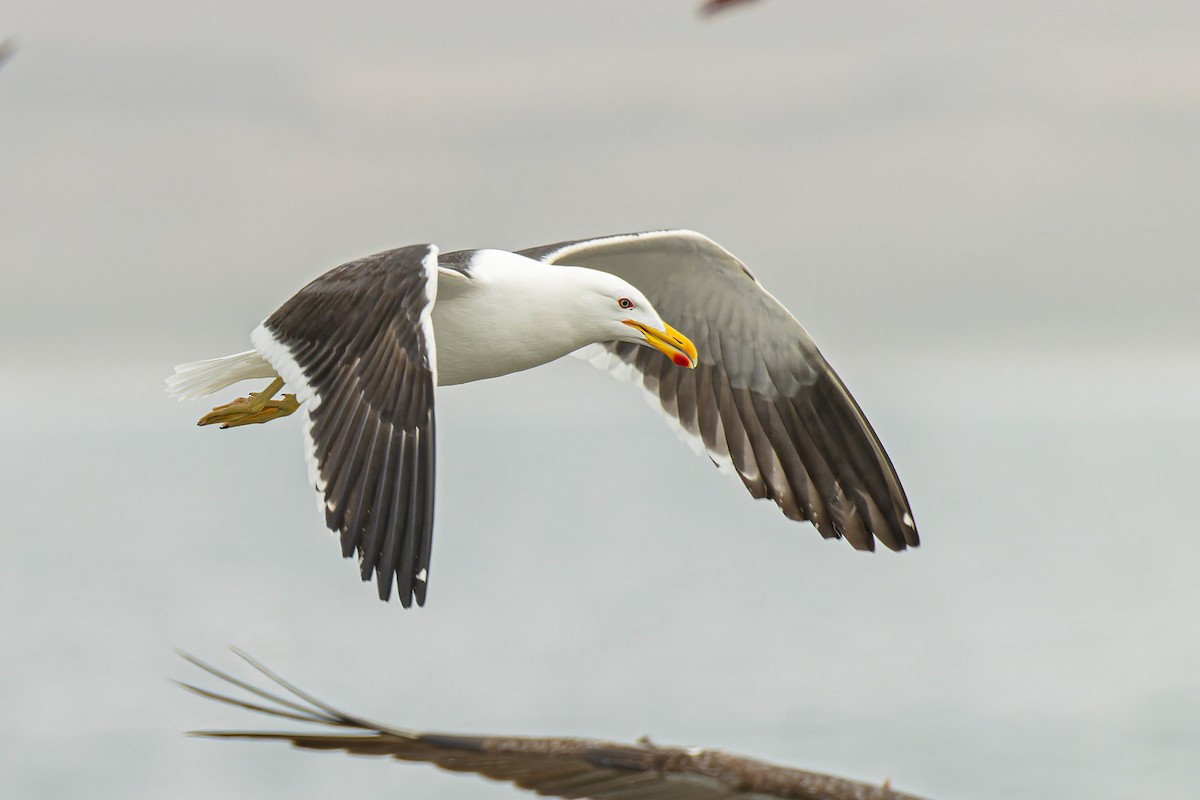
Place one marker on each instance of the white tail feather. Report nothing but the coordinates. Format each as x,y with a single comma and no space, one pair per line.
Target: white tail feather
199,378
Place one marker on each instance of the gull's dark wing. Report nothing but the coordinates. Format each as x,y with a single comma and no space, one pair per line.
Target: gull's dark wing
357,344
556,767
762,401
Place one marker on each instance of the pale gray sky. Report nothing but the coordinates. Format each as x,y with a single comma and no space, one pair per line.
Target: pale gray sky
936,171
984,213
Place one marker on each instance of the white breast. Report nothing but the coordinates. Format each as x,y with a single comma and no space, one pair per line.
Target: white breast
512,314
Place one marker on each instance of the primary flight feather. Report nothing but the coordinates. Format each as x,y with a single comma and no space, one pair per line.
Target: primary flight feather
363,346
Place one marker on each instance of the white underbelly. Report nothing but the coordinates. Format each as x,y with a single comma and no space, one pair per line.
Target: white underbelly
474,342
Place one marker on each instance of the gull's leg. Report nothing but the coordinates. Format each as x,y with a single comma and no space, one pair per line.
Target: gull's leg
258,407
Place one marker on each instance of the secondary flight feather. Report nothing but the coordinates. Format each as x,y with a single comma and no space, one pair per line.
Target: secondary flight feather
363,347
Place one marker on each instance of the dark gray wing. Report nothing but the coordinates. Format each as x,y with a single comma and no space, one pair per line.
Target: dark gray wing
556,767
762,402
357,344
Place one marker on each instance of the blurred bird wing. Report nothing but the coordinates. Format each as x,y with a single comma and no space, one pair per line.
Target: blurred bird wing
557,767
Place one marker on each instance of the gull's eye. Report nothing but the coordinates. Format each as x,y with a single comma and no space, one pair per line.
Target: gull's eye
625,303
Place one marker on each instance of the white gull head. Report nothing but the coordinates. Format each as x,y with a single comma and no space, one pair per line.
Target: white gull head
516,313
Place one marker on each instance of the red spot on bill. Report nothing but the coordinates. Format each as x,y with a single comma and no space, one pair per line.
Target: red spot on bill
681,360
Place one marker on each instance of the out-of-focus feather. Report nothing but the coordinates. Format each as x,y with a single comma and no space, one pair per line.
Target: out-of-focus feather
556,767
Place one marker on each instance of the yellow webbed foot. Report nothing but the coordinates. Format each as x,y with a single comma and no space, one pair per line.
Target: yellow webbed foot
246,411
252,410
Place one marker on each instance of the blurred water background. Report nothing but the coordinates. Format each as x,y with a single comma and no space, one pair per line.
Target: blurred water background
984,215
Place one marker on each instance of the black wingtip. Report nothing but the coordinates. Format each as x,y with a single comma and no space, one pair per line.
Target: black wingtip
383,585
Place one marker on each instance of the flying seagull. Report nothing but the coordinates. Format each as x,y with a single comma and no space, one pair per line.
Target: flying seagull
555,767
364,345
